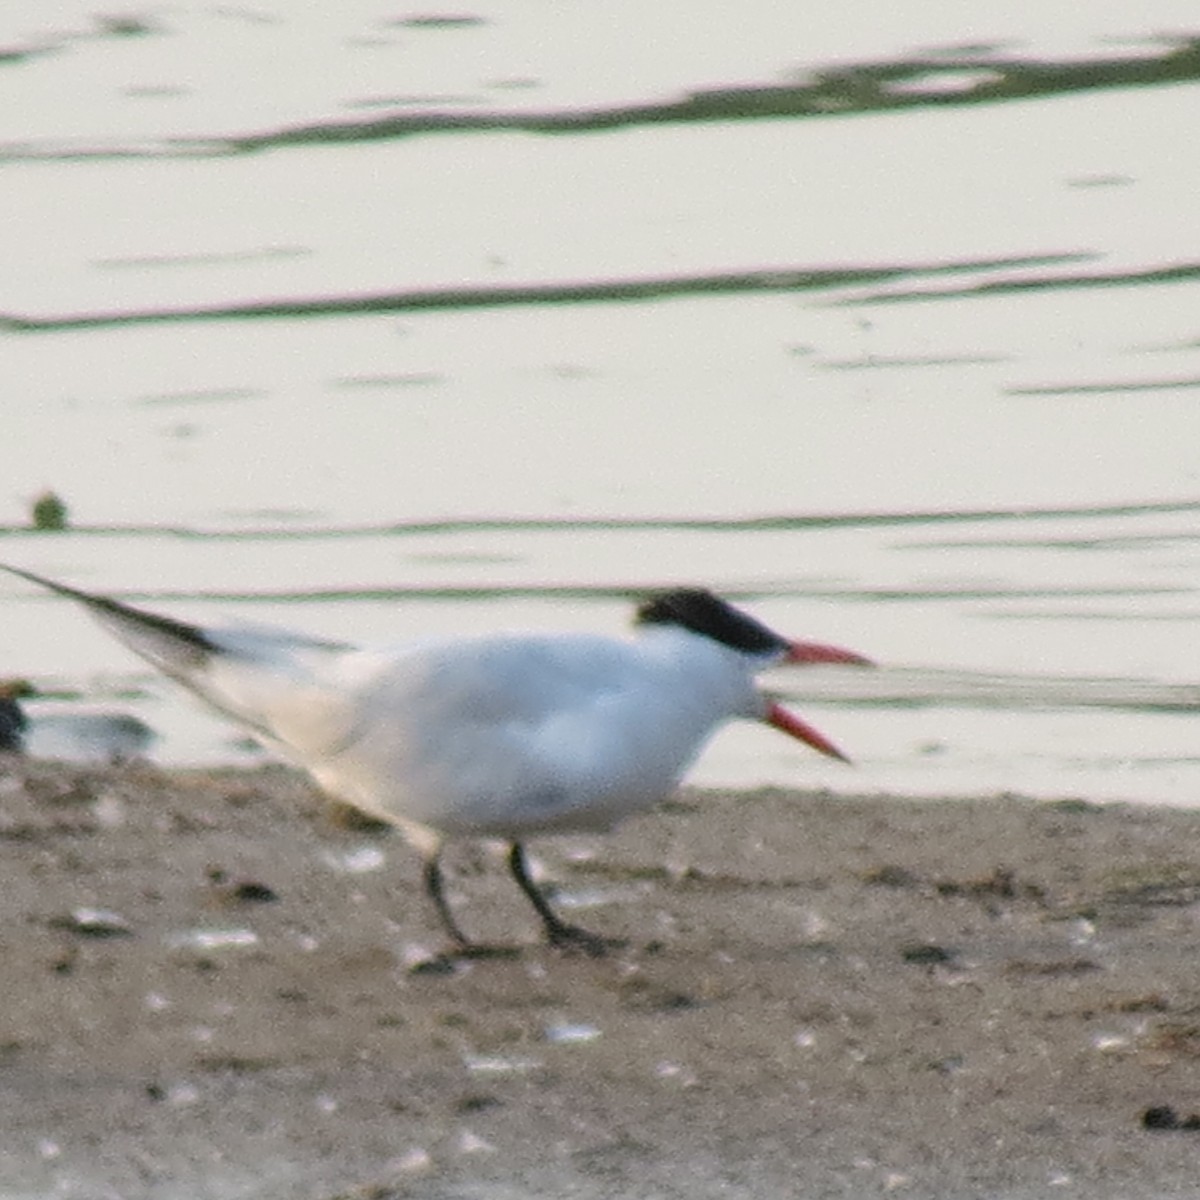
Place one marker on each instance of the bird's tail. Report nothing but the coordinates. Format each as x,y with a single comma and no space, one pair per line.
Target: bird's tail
174,647
264,679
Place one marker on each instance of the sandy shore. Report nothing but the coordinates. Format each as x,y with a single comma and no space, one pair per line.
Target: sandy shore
211,987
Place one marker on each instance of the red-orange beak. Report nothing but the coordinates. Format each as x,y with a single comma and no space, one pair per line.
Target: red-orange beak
793,726
813,653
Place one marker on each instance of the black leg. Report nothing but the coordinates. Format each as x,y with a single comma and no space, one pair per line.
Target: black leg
433,887
558,932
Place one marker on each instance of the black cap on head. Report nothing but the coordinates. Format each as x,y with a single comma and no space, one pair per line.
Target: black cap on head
700,611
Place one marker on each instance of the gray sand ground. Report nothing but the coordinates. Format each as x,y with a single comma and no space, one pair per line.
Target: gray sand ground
820,996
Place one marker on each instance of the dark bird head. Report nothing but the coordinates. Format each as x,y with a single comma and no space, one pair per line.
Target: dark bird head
698,610
702,612
13,721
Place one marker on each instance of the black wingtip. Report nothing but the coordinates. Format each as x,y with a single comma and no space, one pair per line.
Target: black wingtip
61,588
104,606
42,581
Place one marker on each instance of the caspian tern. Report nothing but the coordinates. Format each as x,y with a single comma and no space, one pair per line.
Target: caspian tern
13,721
79,737
499,736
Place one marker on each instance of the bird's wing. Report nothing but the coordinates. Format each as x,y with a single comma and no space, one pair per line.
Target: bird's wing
268,679
499,680
496,734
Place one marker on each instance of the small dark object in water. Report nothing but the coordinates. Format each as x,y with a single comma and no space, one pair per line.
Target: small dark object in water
49,512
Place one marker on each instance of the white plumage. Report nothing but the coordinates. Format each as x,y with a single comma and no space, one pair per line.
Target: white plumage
504,736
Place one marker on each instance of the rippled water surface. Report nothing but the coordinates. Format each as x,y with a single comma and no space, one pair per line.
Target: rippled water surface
374,321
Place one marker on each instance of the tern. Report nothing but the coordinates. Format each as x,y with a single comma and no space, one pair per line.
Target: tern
81,737
13,721
499,736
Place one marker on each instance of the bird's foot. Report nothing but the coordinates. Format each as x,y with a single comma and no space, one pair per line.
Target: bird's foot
572,940
448,961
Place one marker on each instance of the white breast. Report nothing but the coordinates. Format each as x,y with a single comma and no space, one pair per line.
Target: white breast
507,735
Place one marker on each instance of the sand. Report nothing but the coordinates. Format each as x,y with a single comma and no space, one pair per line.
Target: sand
213,986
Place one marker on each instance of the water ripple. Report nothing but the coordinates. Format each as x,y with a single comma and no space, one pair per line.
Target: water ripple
705,283
764,523
929,688
979,76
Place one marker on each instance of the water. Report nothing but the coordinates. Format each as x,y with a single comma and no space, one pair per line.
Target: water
320,318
